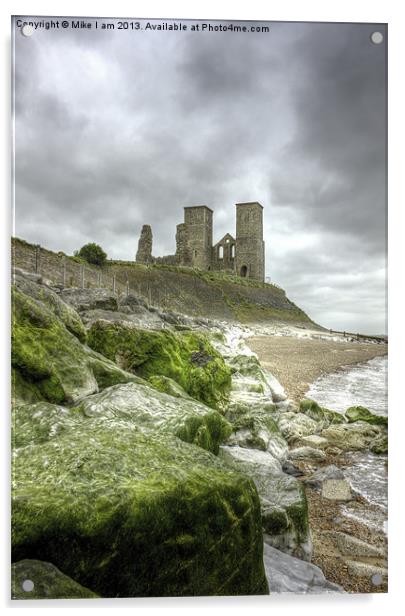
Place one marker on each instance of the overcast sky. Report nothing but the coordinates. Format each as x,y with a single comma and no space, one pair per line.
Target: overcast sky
115,129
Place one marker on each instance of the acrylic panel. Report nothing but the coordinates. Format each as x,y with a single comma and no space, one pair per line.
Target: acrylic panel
199,339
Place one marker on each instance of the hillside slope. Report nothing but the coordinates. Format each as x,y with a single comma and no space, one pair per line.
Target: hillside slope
189,291
211,294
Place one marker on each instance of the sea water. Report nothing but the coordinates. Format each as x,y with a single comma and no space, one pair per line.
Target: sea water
360,385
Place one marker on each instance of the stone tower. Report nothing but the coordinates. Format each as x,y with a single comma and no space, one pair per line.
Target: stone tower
198,227
144,254
249,257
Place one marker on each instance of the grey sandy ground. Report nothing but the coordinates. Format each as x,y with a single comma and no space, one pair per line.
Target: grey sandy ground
297,362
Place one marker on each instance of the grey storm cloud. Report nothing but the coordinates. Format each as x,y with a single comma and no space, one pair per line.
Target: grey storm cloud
116,129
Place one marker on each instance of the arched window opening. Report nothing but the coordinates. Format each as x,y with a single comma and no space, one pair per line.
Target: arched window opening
220,252
233,251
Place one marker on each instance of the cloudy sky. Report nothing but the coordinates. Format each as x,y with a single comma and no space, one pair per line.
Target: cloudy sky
114,129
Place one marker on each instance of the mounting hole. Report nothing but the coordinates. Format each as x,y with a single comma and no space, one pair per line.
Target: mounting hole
28,585
27,30
377,579
377,38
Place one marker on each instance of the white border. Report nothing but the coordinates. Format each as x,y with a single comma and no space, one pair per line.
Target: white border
288,10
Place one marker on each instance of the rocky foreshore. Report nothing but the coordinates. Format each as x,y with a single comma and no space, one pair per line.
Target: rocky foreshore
154,455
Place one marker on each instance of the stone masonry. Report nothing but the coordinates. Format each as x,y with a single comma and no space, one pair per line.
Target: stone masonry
242,255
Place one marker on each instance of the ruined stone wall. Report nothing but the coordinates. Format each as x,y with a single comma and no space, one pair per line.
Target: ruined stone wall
223,255
182,250
144,254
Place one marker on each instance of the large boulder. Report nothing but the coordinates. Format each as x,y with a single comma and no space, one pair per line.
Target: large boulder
294,426
49,362
34,579
282,497
130,514
41,421
186,357
148,409
286,574
323,417
361,413
249,375
90,299
257,429
323,474
356,436
307,453
47,297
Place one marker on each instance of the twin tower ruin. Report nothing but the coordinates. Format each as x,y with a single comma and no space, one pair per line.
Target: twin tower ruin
242,255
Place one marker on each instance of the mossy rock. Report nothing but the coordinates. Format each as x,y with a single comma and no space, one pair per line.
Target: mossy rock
49,362
34,579
148,409
168,386
380,444
256,428
324,417
129,514
356,436
186,357
247,365
361,413
67,314
41,422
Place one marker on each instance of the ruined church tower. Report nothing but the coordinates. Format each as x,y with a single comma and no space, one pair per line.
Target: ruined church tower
249,257
198,224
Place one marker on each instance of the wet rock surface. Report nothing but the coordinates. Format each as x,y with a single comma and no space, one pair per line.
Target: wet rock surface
286,574
34,579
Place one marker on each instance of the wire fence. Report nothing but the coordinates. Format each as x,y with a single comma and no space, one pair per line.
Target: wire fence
65,272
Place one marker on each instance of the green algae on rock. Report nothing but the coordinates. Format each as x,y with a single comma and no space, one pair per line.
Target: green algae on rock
361,413
148,409
128,514
379,445
168,386
186,357
324,417
35,579
49,362
40,422
355,436
66,313
258,429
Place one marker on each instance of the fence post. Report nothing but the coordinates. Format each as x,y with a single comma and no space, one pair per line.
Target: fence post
37,259
114,283
99,279
64,272
127,288
82,276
